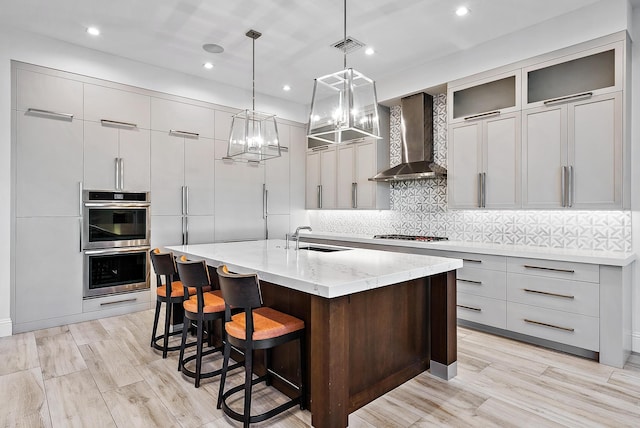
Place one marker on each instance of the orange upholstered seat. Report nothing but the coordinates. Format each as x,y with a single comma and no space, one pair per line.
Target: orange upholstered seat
213,302
267,323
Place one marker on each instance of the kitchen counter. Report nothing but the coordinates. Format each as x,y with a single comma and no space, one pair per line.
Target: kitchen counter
326,274
373,319
608,258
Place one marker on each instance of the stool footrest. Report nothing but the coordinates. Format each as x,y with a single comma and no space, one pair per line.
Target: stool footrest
160,347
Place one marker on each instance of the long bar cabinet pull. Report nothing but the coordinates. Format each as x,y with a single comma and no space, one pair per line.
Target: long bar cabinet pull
568,98
570,187
264,201
319,190
544,324
121,174
472,260
549,269
484,190
546,293
108,122
68,116
354,195
184,133
186,200
186,231
182,211
479,190
470,281
118,301
80,222
483,115
317,149
563,186
80,189
471,308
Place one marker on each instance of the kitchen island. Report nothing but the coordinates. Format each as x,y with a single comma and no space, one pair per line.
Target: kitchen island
373,319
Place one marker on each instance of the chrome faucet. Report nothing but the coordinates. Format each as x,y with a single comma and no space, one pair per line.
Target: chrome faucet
296,235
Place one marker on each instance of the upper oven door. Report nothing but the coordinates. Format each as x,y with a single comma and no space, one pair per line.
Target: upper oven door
111,225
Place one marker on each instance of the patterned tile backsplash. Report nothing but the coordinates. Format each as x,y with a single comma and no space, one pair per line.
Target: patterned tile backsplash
420,208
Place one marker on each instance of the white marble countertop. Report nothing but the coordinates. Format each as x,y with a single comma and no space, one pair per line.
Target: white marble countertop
328,275
610,258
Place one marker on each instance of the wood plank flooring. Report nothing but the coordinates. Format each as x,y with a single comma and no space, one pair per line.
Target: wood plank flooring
104,374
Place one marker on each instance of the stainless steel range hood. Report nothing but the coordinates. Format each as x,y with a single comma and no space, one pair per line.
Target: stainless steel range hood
416,142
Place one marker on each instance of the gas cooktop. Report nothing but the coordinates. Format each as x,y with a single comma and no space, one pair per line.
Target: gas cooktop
411,237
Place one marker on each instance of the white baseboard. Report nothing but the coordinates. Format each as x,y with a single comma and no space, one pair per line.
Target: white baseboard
635,342
6,327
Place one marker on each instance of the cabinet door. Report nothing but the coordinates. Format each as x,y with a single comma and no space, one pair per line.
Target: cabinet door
199,229
544,155
313,180
48,268
465,162
167,174
135,154
239,206
595,152
100,156
365,168
223,121
501,161
199,175
102,103
55,94
48,166
277,176
166,230
345,176
180,117
328,163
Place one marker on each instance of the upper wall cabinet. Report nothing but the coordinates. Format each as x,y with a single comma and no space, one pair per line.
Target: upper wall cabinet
483,98
116,106
182,119
572,77
48,95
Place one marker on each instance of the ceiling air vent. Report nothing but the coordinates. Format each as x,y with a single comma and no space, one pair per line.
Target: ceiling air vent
350,44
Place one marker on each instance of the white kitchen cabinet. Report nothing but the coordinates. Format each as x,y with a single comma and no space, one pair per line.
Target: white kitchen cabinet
321,178
484,163
51,95
48,268
167,174
356,163
572,154
182,118
277,176
48,165
345,179
239,201
116,158
124,107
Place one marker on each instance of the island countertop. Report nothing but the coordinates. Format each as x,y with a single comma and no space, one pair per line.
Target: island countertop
326,274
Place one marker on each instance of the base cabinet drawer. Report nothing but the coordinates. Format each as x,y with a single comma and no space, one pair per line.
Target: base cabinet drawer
479,261
482,310
482,282
571,329
564,295
116,301
554,269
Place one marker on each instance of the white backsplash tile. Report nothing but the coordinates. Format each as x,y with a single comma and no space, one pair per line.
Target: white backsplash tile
420,208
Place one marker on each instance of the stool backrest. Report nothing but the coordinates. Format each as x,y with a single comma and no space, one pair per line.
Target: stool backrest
194,274
240,291
164,264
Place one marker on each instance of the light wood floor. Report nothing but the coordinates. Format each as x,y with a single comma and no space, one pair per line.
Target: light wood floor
103,373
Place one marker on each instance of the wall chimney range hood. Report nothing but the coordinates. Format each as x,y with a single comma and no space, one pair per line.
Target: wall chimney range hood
416,142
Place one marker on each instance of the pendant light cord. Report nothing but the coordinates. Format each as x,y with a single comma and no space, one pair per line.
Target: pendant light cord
344,43
253,76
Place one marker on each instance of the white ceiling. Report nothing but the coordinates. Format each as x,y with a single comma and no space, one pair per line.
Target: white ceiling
296,34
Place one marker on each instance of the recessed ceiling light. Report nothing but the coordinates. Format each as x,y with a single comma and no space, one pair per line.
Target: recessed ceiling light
94,31
462,11
213,48
369,51
208,65
286,88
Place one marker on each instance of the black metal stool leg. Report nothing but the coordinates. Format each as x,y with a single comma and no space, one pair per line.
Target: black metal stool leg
167,323
155,323
199,353
248,374
183,341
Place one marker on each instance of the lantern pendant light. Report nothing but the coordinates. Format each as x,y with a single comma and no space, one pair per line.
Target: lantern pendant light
344,105
254,135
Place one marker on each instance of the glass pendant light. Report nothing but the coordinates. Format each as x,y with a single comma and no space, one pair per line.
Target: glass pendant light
344,105
254,135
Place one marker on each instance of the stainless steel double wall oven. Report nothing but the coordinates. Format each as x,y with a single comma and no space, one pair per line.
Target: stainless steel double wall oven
115,241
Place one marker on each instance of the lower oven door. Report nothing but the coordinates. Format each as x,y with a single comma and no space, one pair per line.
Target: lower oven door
117,270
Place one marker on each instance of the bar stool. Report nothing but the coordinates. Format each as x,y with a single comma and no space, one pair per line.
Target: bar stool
171,293
256,327
204,307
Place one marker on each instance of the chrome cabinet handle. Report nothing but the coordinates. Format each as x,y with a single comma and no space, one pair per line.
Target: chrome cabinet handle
570,187
80,189
184,235
183,200
117,178
186,200
319,190
317,149
544,324
354,195
68,116
254,162
470,281
472,260
264,201
563,185
479,190
121,174
548,268
107,122
80,222
484,190
184,133
186,230
483,115
546,293
471,308
118,301
568,98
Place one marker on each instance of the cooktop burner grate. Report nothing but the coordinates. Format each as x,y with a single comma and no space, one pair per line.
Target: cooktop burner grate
411,237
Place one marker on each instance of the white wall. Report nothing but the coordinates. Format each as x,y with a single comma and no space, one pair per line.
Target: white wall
635,176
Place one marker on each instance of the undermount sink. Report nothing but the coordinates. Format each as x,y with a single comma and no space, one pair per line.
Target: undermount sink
324,249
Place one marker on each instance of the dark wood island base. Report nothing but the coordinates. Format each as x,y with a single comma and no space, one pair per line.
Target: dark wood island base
365,344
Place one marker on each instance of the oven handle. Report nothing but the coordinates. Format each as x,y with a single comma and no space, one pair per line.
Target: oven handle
117,204
116,250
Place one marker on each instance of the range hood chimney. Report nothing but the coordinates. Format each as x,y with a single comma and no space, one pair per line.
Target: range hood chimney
416,142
